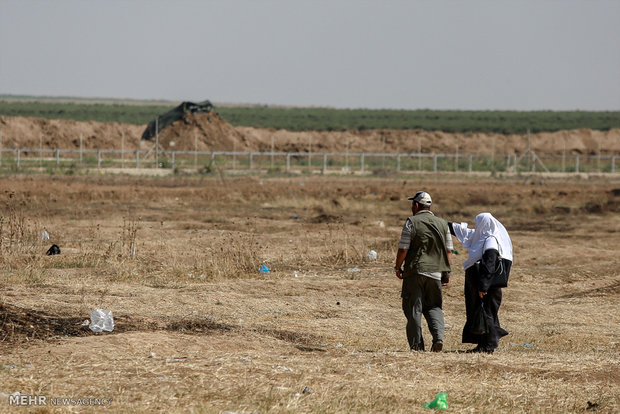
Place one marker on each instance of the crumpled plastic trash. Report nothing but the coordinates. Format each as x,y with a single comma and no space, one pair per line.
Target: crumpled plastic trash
101,320
45,235
440,402
371,255
263,269
54,249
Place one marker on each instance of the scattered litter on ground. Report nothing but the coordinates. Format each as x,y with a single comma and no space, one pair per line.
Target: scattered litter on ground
353,270
372,255
45,235
176,359
263,269
151,355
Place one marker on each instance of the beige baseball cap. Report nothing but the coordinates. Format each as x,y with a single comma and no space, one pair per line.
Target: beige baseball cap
423,198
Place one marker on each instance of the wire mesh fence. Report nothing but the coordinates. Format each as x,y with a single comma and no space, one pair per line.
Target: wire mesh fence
318,162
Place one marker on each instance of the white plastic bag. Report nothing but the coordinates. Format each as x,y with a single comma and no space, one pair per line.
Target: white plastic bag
101,320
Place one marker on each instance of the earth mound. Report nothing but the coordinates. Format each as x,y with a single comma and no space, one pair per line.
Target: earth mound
201,132
23,132
570,142
209,132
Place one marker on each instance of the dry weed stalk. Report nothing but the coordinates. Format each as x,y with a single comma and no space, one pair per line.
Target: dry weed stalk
237,257
128,236
17,233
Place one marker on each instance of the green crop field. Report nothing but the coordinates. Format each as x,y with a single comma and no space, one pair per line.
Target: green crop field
318,119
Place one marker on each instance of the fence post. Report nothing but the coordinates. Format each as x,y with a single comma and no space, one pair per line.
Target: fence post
40,150
98,158
577,164
435,162
613,164
324,163
288,162
251,160
470,162
19,157
57,158
362,162
514,162
398,163
533,162
173,159
137,159
456,158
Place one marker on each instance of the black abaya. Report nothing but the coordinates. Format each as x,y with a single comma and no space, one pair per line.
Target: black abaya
477,278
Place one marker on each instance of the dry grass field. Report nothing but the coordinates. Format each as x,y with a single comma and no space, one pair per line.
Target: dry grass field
199,329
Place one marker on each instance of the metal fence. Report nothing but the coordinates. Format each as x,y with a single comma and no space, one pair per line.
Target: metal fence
325,163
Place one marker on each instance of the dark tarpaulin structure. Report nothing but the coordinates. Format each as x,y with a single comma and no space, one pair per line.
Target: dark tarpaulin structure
162,121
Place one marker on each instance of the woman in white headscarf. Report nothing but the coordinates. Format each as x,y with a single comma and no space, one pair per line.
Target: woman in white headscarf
490,253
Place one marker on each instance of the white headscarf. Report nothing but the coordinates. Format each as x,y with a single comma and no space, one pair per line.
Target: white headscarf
473,240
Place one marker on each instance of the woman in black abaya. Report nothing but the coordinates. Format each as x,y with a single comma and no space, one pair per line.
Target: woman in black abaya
490,251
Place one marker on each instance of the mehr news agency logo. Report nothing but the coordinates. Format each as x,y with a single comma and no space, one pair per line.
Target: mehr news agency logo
43,400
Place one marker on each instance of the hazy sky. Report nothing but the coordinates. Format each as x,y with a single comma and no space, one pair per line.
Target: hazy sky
517,54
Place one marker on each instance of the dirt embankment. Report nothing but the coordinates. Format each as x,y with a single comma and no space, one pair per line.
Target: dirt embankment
206,132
